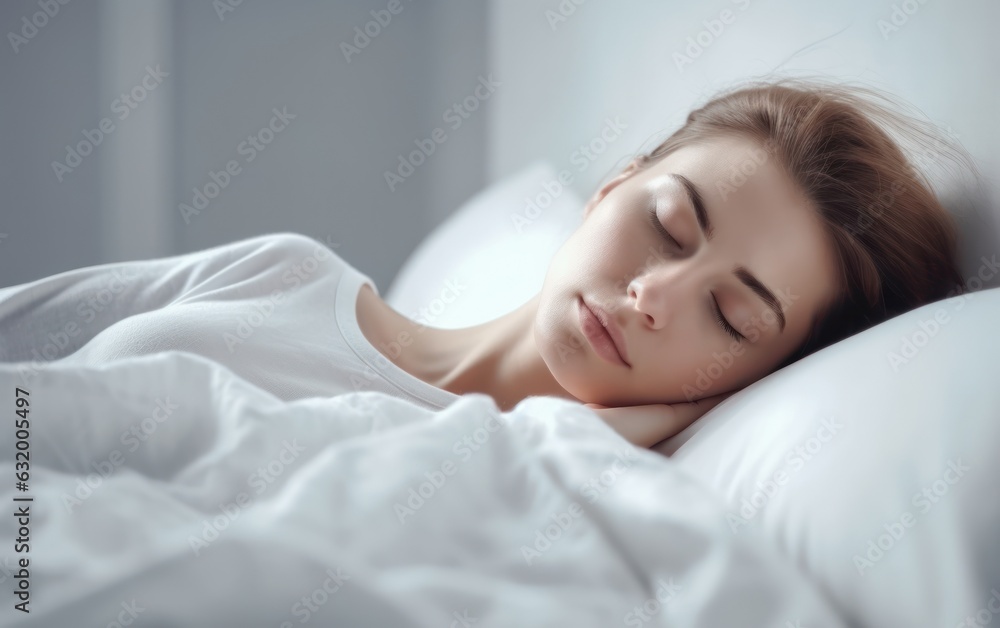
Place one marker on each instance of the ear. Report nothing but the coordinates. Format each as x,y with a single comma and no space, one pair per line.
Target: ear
629,170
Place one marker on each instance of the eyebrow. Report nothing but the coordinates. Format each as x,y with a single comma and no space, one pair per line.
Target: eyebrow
698,202
742,273
761,290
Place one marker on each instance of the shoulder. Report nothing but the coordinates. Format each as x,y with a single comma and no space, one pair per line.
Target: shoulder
290,246
293,241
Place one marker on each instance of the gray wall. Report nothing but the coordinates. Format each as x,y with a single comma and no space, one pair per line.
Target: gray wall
322,175
49,93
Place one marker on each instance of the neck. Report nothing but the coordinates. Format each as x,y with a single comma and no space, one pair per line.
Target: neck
498,358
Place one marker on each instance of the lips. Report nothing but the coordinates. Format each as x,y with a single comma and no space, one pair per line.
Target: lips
611,331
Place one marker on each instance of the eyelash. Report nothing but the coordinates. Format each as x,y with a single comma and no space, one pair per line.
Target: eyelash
722,321
653,220
729,329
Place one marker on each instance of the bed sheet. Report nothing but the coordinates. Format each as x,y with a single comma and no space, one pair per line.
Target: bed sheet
167,491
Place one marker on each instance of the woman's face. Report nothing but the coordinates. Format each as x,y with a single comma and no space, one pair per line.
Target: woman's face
661,296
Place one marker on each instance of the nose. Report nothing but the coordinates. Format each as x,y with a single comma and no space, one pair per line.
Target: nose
658,293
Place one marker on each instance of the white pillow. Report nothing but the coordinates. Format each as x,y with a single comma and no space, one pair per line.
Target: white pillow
830,458
491,255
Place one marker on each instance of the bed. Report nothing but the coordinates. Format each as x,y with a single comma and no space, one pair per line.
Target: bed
856,487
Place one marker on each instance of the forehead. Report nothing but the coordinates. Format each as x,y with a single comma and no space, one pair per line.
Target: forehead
732,165
761,220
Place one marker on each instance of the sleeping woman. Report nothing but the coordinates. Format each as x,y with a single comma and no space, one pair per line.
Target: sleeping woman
779,219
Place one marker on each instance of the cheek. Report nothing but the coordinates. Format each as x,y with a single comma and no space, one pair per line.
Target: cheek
674,371
691,367
732,367
606,234
586,263
569,259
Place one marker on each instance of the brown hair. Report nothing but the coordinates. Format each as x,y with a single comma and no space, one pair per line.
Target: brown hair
895,241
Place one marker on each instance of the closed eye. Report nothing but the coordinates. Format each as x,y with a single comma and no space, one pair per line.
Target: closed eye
653,220
729,329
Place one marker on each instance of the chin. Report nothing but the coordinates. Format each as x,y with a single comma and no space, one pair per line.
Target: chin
592,387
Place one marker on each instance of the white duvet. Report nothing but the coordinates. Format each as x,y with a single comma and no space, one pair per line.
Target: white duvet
169,492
